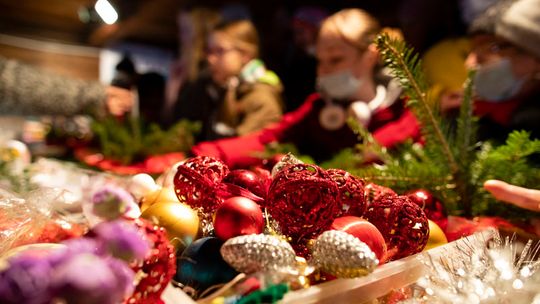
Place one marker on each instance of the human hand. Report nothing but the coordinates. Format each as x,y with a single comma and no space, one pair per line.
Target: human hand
519,196
119,100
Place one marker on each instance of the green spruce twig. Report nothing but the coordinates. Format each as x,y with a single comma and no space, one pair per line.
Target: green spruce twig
465,141
406,66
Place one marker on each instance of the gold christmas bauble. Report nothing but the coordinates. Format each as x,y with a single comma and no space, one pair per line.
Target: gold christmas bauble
436,236
160,195
180,221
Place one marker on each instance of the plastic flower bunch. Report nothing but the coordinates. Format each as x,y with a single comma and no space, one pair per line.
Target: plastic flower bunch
88,270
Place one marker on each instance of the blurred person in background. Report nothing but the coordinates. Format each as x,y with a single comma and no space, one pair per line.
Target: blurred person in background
350,83
27,90
246,95
506,56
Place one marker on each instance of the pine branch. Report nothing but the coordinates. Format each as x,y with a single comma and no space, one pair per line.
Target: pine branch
464,143
406,66
466,131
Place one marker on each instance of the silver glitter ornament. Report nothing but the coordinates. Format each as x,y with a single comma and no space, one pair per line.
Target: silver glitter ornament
343,255
258,252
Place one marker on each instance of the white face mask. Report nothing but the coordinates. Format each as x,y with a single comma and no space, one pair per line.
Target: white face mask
496,82
340,85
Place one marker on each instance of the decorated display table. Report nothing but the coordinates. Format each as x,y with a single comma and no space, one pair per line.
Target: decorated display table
396,279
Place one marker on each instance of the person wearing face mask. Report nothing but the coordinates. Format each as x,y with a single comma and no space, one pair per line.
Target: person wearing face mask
506,56
247,96
350,83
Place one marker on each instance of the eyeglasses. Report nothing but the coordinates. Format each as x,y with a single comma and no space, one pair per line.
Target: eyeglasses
219,51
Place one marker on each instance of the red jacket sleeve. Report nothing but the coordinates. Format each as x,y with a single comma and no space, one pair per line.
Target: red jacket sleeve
240,151
398,131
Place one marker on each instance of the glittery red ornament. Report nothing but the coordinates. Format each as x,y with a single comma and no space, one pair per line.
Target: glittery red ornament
351,192
197,181
238,216
374,192
303,200
433,208
157,269
402,223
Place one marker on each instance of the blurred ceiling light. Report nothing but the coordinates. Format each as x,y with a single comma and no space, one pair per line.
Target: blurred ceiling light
106,11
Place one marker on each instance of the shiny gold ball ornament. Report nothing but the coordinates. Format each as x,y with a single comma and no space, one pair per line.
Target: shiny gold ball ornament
180,221
342,255
436,236
159,195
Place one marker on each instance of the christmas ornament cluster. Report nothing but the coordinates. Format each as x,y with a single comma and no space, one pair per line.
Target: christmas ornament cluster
223,222
203,226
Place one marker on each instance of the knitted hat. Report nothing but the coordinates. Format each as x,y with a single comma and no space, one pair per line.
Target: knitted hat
520,25
485,22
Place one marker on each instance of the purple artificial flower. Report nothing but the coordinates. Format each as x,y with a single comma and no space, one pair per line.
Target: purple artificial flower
123,240
26,280
89,279
75,247
111,202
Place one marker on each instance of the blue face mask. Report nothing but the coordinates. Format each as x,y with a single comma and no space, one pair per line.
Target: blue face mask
340,86
496,82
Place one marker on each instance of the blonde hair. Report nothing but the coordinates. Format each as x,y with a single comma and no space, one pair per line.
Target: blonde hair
242,34
356,27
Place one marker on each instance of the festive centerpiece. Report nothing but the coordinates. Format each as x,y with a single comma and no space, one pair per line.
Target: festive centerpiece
298,230
130,146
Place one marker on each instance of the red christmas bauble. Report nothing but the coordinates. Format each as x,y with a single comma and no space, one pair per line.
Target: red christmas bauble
265,176
196,182
158,268
402,223
433,208
302,199
351,192
238,216
247,180
364,231
374,192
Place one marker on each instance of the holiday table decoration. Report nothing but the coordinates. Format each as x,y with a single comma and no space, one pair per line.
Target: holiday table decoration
201,266
436,236
130,146
196,182
351,192
179,220
248,180
364,231
343,255
238,216
433,208
402,223
258,252
303,200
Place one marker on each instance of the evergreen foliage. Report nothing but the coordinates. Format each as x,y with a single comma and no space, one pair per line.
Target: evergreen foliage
451,163
131,140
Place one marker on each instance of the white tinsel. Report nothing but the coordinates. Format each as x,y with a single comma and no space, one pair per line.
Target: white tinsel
496,271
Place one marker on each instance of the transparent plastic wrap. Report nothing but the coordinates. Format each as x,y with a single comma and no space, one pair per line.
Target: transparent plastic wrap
35,218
